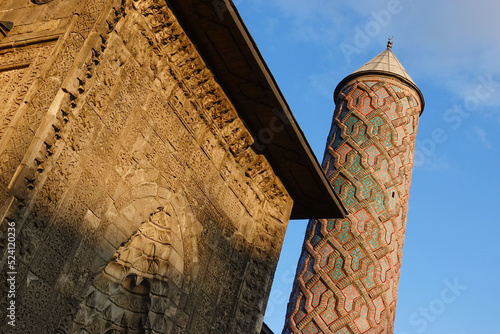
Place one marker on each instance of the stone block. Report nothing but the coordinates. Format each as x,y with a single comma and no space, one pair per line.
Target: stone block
126,226
105,251
91,220
114,236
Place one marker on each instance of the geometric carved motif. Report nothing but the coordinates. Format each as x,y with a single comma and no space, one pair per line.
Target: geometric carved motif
136,288
329,315
368,160
361,322
350,293
19,68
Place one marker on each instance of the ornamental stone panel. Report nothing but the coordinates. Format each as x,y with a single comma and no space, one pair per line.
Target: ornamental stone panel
139,203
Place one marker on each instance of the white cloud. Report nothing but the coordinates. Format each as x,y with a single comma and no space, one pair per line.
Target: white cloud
482,136
432,163
452,42
445,44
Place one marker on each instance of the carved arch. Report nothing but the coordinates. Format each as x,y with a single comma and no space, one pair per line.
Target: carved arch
136,291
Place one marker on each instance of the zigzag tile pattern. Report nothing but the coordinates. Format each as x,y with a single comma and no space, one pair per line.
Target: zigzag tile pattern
348,274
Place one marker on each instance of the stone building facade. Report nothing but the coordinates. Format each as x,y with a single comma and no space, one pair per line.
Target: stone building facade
348,272
148,167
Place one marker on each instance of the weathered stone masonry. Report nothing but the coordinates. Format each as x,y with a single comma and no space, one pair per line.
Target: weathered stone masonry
138,200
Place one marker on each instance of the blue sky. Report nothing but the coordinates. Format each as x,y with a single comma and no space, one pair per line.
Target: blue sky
451,268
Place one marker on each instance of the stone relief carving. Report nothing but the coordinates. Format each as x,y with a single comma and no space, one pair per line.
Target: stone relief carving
185,135
141,285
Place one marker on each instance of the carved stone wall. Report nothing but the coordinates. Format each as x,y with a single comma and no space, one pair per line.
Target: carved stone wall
138,201
348,272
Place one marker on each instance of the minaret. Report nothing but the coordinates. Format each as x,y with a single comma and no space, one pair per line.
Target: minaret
348,272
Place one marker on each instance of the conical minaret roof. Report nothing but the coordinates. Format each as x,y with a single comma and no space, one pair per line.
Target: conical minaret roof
384,63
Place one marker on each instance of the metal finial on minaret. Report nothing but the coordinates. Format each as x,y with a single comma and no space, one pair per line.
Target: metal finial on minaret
389,43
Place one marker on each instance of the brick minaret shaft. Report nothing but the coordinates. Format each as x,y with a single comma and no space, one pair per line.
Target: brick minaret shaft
348,272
